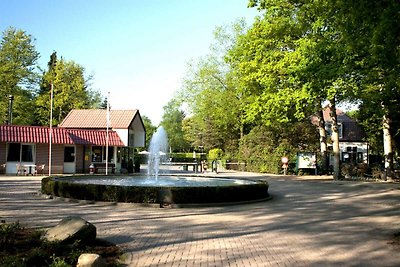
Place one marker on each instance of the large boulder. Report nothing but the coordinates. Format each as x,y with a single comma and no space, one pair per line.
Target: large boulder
90,260
71,229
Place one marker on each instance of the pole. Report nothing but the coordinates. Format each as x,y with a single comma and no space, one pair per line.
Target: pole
51,126
108,125
10,104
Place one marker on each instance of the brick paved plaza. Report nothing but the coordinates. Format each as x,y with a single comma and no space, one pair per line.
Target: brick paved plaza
309,222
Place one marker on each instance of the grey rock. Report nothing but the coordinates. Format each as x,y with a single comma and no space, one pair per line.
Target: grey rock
90,260
71,229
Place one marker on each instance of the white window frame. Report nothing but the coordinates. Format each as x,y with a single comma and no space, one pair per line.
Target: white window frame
328,129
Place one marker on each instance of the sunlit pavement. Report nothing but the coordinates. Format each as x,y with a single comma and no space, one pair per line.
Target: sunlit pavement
311,221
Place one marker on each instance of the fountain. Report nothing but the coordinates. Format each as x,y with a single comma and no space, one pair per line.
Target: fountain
174,189
157,152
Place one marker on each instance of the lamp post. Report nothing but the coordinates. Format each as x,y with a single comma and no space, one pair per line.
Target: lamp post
10,104
108,125
51,126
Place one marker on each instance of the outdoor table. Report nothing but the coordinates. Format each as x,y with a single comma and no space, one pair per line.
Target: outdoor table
29,168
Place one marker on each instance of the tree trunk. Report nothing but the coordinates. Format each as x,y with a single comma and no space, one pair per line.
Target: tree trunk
322,141
335,141
387,145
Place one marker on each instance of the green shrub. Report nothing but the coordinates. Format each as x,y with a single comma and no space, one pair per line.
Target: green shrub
7,233
263,147
215,153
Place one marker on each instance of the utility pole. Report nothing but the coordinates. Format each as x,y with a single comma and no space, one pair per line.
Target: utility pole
108,125
51,126
10,104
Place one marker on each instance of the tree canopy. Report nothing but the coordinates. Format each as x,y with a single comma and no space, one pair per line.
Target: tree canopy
70,91
18,74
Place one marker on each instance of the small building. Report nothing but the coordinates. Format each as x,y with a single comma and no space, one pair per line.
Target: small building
352,144
79,141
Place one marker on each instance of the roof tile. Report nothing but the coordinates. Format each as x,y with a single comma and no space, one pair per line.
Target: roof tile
97,119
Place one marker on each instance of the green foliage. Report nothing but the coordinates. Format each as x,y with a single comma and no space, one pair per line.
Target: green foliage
150,129
172,123
210,92
59,262
215,153
18,76
183,157
7,232
263,148
70,91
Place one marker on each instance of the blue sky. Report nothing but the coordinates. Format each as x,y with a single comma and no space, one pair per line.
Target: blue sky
136,49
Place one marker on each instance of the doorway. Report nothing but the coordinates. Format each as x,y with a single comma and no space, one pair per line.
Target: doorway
69,159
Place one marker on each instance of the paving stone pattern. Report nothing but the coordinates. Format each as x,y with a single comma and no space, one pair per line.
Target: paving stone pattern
311,221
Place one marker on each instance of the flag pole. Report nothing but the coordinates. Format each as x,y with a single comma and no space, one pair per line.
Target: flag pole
108,125
51,126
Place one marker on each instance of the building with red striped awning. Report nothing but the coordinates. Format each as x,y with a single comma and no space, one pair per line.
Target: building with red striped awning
75,145
40,135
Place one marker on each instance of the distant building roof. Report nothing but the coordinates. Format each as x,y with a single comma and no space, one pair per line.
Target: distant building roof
97,119
39,134
341,116
351,130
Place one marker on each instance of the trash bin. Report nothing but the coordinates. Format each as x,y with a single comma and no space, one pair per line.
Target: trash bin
91,169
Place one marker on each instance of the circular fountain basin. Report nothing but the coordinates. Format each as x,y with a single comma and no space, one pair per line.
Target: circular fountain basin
165,190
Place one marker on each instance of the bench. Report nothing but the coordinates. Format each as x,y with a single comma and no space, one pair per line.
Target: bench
185,165
102,166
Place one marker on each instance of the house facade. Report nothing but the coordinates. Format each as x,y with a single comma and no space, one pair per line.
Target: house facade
78,142
352,144
127,124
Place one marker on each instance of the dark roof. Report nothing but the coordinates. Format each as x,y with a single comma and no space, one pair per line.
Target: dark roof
39,134
351,129
97,119
352,132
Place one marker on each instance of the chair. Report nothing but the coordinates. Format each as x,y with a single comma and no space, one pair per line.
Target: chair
3,168
21,169
40,168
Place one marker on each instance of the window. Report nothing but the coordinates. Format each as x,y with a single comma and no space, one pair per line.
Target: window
69,154
14,152
360,157
20,152
328,129
351,155
27,153
97,154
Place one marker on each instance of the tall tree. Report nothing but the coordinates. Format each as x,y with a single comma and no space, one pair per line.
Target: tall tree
70,91
363,37
18,76
210,91
297,60
172,123
371,31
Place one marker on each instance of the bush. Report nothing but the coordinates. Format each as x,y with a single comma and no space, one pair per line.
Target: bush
215,153
348,170
262,154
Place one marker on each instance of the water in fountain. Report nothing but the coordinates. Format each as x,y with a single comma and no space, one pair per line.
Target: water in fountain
157,151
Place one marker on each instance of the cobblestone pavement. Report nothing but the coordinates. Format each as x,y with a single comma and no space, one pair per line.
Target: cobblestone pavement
309,222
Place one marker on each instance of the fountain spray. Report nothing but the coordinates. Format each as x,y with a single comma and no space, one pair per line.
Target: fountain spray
157,151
